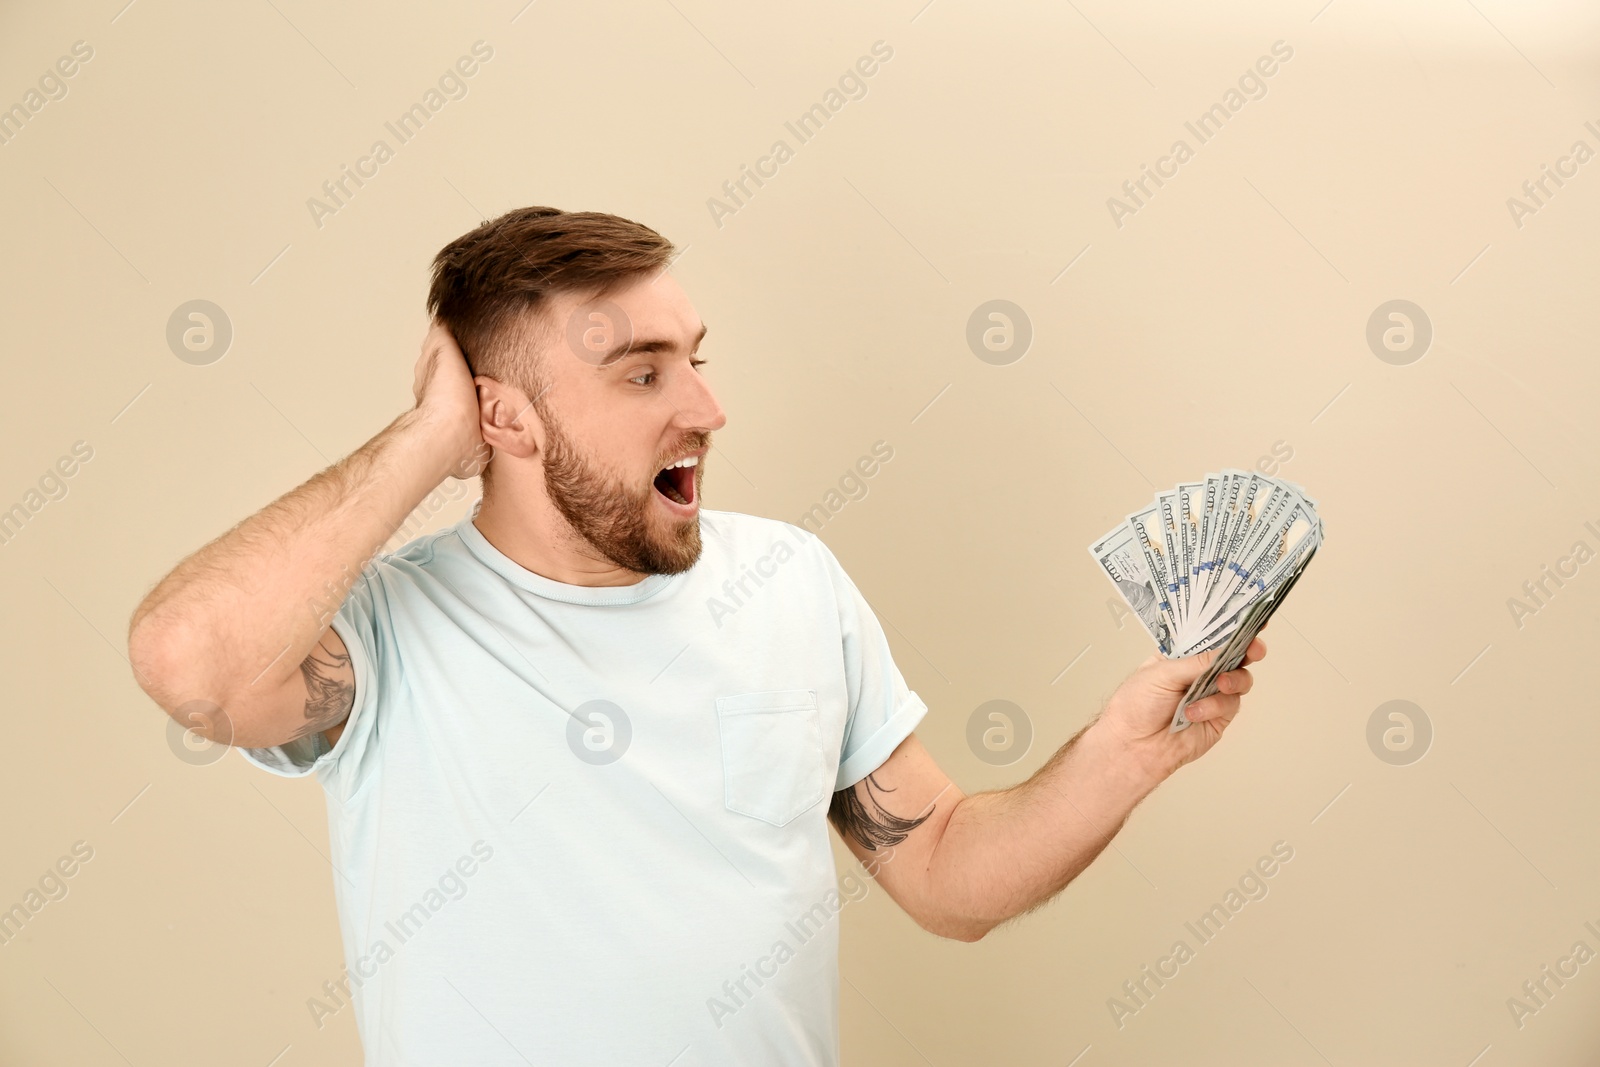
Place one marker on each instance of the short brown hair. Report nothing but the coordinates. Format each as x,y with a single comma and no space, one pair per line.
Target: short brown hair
489,284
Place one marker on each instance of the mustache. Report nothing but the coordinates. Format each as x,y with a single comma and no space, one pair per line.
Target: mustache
691,442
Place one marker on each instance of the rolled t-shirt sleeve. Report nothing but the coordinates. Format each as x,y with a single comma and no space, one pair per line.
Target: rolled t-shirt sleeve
358,622
883,711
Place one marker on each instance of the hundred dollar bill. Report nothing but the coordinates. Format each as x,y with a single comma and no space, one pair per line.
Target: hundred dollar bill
1205,563
1122,561
1189,504
1219,628
1147,536
1235,527
1245,579
1266,508
1238,644
1210,515
1226,505
1171,542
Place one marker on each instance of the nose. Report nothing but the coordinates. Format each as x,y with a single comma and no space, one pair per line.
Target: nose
697,404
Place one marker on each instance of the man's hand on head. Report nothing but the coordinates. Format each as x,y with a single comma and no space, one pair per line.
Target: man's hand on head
447,398
1139,714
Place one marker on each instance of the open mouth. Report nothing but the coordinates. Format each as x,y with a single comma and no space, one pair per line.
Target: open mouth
676,481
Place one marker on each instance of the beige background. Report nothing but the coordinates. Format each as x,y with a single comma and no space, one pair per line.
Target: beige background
1225,317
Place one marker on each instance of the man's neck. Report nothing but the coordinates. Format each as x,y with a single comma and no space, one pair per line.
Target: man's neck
532,533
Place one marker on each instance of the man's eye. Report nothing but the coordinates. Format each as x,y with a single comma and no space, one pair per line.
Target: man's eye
647,378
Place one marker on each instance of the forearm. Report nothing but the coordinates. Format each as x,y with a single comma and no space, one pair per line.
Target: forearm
1003,853
241,613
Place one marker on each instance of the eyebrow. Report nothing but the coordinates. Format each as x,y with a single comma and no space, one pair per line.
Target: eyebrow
650,345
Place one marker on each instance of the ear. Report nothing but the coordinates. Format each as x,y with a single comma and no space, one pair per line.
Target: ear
507,419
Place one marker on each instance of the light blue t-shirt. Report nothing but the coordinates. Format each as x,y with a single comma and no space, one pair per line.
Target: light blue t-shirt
579,825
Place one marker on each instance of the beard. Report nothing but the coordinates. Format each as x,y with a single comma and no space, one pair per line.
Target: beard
618,520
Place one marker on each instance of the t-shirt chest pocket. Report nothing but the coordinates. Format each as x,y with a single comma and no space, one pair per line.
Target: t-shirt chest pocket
772,758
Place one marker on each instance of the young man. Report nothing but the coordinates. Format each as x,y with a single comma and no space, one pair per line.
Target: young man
578,815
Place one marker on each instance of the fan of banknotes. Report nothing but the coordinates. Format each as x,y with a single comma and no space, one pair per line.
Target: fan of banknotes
1206,564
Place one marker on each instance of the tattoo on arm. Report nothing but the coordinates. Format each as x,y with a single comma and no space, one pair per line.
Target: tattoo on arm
857,813
330,688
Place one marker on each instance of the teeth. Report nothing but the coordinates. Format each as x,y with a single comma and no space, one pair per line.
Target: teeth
690,461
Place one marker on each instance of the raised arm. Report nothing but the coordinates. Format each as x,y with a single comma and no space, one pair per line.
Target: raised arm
243,623
961,865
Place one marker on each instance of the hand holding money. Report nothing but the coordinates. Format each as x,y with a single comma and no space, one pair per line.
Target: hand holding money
1140,712
1206,564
